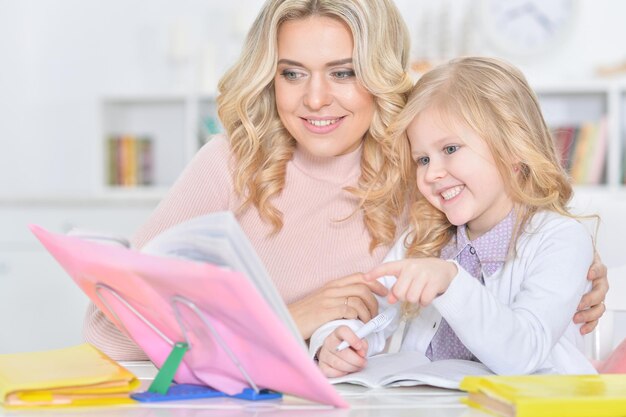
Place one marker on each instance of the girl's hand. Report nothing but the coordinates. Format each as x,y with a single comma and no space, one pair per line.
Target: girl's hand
419,280
591,306
352,359
349,297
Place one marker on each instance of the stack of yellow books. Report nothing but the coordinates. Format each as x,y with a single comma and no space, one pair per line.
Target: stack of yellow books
548,395
78,375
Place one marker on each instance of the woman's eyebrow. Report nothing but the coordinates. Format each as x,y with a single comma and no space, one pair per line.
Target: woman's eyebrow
328,64
289,62
339,62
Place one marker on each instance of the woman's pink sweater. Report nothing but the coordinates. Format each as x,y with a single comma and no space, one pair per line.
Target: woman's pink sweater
322,238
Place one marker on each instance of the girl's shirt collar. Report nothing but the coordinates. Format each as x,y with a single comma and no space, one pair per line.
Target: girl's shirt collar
492,248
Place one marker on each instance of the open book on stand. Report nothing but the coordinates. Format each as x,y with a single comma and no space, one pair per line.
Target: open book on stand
404,369
218,299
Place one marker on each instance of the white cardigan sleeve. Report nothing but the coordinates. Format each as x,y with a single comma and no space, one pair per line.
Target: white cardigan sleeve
548,277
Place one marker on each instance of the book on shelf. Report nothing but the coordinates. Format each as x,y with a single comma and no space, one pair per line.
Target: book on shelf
582,150
412,369
596,172
146,164
199,283
76,375
564,141
129,160
601,395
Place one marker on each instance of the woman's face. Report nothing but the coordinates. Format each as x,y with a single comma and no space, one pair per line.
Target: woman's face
319,99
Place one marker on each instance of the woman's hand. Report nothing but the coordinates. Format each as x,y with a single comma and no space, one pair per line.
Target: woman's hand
349,297
591,306
352,359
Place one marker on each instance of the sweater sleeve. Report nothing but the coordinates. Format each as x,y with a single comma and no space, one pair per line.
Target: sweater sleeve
517,338
205,186
377,340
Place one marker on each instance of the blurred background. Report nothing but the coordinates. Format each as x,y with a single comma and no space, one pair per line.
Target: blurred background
102,103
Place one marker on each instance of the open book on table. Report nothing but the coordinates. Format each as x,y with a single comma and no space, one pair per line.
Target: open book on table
199,282
410,369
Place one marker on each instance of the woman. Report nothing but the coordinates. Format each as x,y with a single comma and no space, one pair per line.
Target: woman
306,166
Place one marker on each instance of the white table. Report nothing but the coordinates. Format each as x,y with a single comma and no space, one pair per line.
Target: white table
401,402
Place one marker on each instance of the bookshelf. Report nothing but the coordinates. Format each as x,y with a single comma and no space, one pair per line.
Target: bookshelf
147,140
582,120
575,104
178,124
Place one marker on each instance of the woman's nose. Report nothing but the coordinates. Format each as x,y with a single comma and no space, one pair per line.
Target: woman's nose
317,94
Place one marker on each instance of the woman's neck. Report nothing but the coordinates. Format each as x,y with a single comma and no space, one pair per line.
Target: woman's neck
334,168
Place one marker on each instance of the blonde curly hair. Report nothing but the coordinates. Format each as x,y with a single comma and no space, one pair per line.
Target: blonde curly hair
493,99
262,146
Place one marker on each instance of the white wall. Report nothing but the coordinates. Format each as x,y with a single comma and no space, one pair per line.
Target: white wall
57,57
596,37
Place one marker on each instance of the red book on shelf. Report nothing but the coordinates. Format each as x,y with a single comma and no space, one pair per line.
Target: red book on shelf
564,139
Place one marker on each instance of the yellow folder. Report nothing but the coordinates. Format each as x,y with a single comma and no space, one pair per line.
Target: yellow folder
77,375
548,395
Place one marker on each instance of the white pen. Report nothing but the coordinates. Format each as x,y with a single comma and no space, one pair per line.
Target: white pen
377,323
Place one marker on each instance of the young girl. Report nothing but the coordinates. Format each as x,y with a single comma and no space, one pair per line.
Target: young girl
493,257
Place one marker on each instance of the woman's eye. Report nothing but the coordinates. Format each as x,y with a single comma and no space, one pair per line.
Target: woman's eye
344,74
451,149
424,160
290,75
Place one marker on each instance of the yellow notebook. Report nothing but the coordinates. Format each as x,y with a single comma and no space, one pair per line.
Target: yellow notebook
548,395
78,375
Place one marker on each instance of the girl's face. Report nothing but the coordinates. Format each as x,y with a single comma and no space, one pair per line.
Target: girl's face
456,172
319,99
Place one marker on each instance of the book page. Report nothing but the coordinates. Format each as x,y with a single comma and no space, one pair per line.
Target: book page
411,369
445,373
217,238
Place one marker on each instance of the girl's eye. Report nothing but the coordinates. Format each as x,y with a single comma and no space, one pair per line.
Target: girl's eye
291,75
451,149
343,74
424,160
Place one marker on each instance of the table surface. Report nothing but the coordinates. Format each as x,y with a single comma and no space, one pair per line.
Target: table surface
364,402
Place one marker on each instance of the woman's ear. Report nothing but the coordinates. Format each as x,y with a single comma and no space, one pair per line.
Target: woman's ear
520,167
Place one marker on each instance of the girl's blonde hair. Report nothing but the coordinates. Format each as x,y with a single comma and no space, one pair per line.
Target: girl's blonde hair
262,146
493,99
